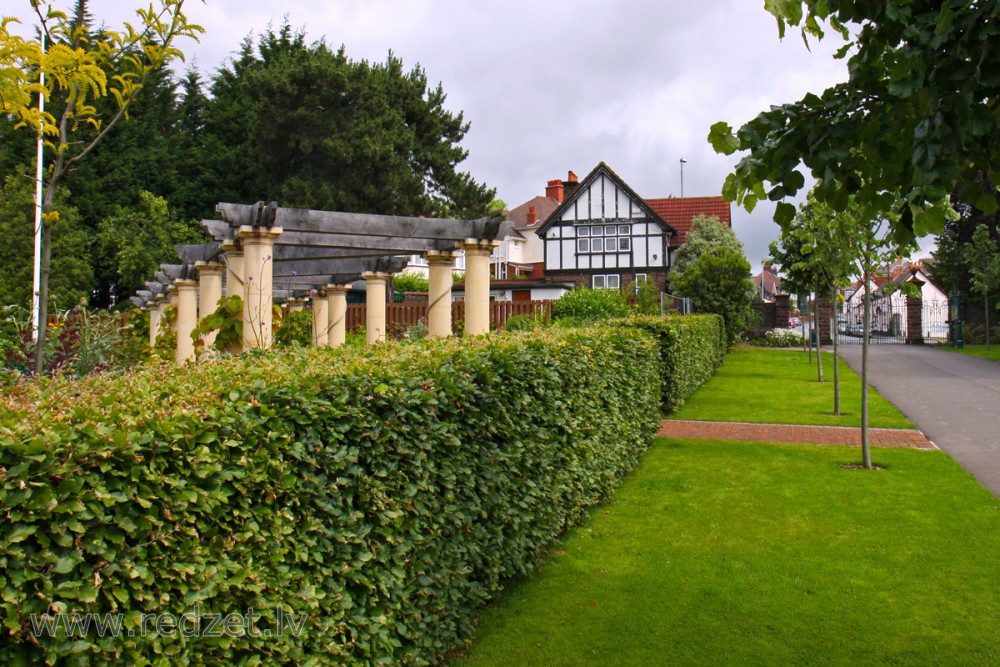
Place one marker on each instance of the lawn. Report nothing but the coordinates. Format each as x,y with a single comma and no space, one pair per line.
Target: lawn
781,387
717,553
992,354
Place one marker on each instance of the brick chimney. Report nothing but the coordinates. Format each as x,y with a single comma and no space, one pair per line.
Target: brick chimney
532,215
554,190
570,185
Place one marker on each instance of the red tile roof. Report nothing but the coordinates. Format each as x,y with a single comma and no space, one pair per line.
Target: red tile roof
544,206
678,212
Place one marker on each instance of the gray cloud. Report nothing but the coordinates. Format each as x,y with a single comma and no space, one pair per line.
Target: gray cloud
549,87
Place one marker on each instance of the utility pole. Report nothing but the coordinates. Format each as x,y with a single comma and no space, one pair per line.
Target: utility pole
37,277
682,176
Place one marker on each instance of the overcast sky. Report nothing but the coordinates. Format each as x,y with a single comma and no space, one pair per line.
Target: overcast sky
553,87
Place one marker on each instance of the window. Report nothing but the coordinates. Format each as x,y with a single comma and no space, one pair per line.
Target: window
604,238
611,281
640,278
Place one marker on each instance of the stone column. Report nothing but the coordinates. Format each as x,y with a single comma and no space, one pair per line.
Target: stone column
234,268
477,286
172,301
295,305
824,314
209,292
154,322
374,306
321,320
439,293
258,299
187,318
336,298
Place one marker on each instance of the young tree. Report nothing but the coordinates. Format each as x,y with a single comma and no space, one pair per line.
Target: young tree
984,263
916,117
75,64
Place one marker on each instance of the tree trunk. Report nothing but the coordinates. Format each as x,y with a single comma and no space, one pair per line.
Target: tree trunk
819,347
866,456
986,309
836,362
43,295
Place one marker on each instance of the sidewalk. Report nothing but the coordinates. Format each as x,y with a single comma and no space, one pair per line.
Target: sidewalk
793,433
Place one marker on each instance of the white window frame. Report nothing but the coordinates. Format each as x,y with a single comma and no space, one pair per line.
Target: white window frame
583,245
627,240
606,281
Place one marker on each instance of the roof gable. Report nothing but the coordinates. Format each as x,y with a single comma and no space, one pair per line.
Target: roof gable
603,195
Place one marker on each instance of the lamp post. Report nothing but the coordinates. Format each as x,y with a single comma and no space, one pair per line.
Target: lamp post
682,176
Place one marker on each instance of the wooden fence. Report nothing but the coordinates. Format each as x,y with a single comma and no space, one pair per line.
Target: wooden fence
400,316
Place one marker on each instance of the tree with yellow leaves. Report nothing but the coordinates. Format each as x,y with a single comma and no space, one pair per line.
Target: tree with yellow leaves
81,66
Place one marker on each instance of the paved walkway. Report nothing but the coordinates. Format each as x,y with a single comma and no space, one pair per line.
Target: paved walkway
790,433
953,398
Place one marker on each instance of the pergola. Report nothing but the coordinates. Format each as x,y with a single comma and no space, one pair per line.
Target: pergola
269,255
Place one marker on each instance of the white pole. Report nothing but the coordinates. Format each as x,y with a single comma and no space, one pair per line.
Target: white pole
37,282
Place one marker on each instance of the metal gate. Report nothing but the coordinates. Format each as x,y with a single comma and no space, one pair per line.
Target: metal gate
888,325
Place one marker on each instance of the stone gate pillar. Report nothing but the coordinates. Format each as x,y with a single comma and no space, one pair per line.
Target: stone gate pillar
258,270
439,293
914,320
375,283
824,315
781,311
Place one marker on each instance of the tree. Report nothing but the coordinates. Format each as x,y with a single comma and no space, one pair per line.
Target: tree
718,281
917,116
72,278
74,65
706,233
984,264
867,242
136,240
307,126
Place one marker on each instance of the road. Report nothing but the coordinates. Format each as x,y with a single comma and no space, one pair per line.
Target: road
953,398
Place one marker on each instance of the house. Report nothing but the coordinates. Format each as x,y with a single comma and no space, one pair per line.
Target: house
889,304
523,253
767,283
604,235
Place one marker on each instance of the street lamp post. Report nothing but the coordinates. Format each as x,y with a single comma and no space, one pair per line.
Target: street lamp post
682,176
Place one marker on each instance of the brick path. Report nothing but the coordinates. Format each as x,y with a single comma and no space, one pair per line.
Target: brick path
786,433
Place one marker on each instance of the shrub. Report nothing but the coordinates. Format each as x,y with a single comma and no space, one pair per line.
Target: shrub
380,496
586,305
692,347
781,338
410,281
524,323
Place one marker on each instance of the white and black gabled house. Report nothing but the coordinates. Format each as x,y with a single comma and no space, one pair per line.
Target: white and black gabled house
604,235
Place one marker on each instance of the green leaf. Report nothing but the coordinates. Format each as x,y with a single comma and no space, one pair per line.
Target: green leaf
723,139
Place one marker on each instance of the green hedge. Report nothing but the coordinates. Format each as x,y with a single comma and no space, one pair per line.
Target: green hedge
692,348
381,496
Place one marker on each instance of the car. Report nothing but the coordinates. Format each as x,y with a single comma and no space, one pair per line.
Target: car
793,323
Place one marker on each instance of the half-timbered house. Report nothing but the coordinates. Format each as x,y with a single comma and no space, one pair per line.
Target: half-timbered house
604,235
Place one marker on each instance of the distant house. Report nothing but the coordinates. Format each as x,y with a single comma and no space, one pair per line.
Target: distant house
767,283
604,235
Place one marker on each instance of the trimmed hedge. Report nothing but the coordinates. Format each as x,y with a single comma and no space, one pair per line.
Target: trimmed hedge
379,496
692,347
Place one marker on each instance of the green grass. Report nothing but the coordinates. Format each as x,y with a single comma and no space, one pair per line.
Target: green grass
717,553
781,387
993,354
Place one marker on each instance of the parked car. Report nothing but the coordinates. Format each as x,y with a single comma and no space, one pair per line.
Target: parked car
793,323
